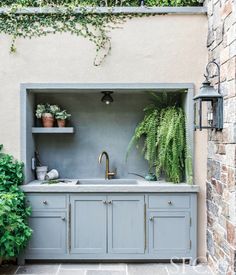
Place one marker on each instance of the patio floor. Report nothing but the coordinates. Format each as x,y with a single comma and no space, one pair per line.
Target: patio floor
106,269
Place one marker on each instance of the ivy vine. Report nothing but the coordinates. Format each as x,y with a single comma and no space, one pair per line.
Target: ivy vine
88,24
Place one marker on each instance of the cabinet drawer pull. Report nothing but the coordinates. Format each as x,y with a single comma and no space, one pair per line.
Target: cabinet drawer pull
170,202
45,202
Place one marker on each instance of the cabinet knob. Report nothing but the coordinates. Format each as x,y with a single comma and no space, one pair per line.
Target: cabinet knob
109,202
170,202
63,218
151,219
104,202
45,202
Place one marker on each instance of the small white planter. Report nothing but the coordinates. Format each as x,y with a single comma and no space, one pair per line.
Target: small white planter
41,172
51,175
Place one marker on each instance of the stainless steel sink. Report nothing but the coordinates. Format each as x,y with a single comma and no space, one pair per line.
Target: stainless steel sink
107,182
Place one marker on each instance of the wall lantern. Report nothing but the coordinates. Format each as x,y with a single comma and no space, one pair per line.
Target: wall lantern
209,104
107,98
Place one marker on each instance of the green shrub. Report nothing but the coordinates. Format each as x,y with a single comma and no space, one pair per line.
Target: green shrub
11,172
14,230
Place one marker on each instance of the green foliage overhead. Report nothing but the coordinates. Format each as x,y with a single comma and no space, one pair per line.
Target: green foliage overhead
97,3
14,230
95,27
164,139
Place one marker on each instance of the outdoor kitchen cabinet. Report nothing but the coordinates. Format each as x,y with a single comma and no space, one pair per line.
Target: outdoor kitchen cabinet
88,224
48,221
49,234
126,224
169,233
106,226
170,224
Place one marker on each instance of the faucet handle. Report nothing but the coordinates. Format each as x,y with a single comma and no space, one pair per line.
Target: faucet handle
111,174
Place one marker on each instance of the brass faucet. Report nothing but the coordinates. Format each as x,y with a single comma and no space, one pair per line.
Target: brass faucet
108,174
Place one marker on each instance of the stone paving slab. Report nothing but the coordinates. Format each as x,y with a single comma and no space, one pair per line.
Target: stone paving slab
200,269
75,266
106,269
147,269
113,266
105,272
71,272
47,269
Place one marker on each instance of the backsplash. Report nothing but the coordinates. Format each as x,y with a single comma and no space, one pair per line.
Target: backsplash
98,127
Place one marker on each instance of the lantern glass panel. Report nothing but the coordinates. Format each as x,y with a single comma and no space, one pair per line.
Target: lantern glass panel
206,107
197,114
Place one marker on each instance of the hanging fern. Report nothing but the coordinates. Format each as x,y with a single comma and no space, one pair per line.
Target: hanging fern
164,146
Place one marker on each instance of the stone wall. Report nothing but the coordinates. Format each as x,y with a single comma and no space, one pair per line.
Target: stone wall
221,203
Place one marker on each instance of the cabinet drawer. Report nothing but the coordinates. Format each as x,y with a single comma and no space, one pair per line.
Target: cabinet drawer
168,201
46,201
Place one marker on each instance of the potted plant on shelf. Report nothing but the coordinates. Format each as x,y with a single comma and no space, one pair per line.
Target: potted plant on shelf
47,112
61,117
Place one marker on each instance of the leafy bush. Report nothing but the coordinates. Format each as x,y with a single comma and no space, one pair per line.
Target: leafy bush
14,231
164,146
11,172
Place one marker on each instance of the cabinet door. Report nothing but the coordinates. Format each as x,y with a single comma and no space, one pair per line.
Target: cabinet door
169,233
88,224
126,225
49,233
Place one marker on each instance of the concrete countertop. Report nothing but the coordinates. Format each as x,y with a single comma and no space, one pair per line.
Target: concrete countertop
117,186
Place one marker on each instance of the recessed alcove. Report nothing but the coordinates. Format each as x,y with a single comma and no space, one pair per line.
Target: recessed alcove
94,126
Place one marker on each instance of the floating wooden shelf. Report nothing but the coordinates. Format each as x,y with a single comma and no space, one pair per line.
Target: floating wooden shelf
53,130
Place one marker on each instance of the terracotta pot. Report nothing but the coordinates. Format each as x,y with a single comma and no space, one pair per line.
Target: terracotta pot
61,122
47,120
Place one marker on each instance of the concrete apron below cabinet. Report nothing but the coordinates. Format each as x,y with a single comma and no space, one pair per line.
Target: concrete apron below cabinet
113,225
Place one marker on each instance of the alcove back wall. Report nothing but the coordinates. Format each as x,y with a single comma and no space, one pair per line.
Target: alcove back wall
98,127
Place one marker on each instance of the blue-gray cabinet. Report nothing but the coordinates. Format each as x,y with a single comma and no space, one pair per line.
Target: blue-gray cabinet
126,224
49,234
107,224
88,224
169,233
113,226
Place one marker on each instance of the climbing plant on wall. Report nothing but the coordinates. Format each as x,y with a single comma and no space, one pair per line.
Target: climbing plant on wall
88,23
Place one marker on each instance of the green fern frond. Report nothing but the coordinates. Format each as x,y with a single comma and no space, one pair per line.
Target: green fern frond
165,143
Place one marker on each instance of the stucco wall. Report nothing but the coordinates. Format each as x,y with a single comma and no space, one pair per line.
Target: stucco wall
164,49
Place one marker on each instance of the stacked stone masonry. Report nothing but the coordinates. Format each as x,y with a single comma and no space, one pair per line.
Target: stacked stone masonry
221,178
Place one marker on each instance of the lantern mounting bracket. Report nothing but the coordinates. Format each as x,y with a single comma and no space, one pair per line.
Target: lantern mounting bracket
207,74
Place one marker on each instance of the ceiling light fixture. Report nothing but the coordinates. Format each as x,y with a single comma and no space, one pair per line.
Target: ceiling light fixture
107,98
